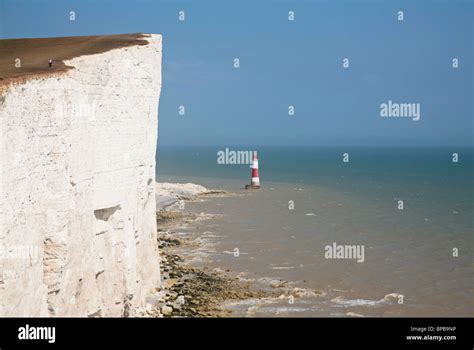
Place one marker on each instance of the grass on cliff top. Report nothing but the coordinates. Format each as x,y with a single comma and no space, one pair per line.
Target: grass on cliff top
34,54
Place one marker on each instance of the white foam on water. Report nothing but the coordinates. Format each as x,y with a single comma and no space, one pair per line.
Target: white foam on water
387,299
267,306
283,267
342,302
232,253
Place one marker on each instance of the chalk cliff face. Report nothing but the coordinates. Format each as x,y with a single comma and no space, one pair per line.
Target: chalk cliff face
77,181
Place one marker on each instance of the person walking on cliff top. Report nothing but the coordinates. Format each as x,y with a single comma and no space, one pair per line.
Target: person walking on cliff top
50,63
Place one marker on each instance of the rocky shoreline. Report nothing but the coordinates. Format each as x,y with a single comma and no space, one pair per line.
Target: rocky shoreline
188,291
192,292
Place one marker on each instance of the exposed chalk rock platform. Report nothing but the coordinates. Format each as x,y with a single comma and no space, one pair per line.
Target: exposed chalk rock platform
168,194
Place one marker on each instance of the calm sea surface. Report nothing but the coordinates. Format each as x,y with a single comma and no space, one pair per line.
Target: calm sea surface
311,199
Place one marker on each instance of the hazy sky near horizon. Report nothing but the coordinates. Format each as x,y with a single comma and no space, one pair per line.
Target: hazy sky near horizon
283,63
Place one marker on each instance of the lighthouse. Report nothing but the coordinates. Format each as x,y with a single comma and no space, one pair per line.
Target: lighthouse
255,182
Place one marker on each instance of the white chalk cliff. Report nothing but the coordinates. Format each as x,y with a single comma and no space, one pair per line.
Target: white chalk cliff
77,187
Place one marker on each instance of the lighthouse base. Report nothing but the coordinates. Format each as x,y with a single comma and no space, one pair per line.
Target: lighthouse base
252,187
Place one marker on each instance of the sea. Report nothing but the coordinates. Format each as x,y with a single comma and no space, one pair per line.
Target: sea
407,212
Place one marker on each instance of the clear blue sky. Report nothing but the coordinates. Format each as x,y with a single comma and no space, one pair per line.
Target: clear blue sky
289,63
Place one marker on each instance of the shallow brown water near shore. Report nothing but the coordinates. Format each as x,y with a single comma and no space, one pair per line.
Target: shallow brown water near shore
284,250
190,291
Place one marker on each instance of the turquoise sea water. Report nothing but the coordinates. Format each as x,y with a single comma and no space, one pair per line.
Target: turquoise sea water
407,251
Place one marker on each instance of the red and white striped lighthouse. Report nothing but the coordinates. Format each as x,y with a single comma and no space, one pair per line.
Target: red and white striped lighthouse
255,182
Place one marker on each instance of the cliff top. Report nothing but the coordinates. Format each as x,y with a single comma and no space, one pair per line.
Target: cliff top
21,59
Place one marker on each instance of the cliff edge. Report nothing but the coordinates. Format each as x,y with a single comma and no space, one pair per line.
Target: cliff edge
77,183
